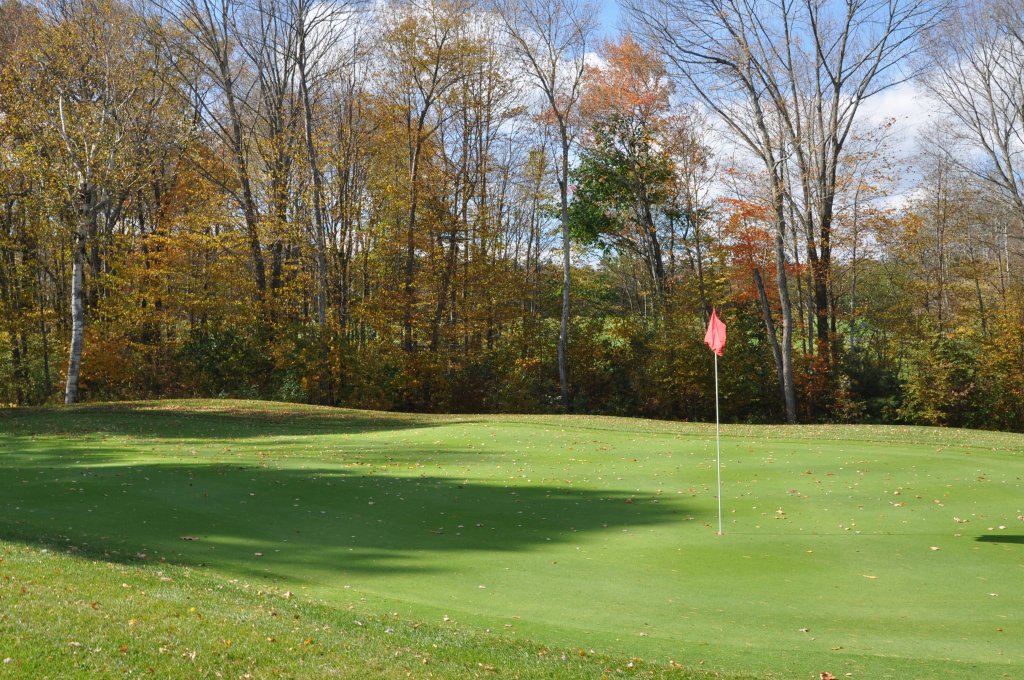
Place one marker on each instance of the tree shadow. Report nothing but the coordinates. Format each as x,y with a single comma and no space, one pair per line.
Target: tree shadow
1001,538
346,518
213,420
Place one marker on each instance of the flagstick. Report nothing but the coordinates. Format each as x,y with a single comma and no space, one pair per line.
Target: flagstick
718,450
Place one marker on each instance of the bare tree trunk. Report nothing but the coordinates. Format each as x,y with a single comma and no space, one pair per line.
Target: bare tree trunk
773,339
304,25
789,391
853,270
563,329
443,294
800,307
812,306
44,334
85,200
975,271
345,276
654,253
366,292
241,166
410,250
940,245
701,288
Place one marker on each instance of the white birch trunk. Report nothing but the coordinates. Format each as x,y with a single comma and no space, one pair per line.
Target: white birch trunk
77,319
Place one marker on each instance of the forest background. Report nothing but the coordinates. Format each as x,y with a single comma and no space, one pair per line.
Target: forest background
480,206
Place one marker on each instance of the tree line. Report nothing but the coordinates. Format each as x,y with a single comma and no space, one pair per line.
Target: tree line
482,205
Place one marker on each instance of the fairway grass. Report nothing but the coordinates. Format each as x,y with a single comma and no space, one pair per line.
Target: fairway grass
509,542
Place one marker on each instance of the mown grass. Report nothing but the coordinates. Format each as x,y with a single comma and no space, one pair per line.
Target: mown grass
860,551
65,616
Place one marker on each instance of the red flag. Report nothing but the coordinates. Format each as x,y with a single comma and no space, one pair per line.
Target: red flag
715,337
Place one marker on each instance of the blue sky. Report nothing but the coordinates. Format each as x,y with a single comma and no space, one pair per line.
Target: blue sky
609,17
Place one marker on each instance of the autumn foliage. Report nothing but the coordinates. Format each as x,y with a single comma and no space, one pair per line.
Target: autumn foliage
394,243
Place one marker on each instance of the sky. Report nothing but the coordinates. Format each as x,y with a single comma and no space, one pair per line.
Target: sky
610,14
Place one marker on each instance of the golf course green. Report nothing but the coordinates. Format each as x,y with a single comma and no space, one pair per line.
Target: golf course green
859,551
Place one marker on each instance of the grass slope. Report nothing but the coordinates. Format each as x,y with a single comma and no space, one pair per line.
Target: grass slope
868,551
68,617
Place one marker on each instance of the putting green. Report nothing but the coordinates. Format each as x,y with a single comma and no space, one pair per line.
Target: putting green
871,551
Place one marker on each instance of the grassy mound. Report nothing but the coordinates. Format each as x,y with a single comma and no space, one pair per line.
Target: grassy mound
873,552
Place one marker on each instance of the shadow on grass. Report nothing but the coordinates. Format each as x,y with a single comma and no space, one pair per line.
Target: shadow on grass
369,519
211,420
1001,538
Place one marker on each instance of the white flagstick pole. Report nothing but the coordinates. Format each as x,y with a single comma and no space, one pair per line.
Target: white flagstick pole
718,450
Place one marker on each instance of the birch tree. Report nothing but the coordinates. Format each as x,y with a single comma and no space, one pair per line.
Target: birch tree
551,38
95,86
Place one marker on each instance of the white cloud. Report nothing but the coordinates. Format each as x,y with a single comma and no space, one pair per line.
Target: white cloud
907,105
